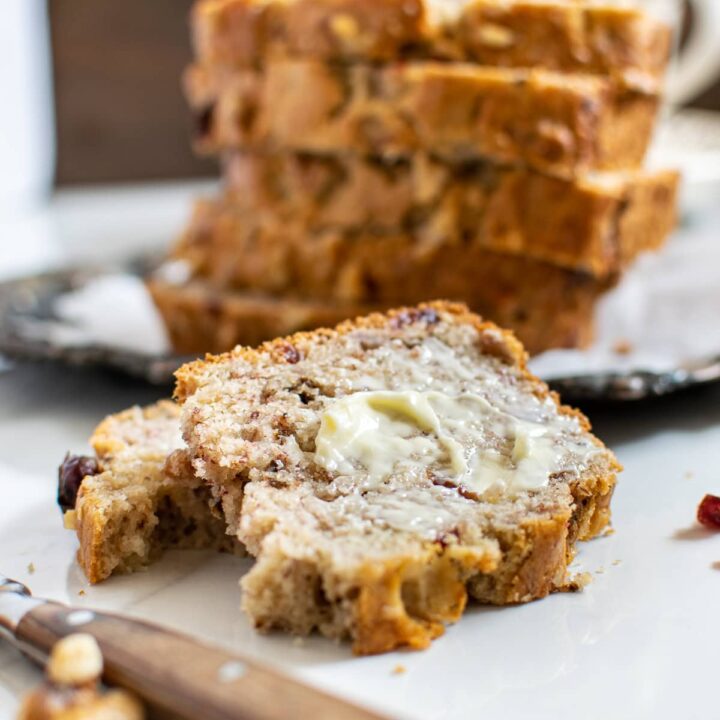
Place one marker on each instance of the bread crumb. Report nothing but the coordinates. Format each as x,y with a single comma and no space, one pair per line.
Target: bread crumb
608,532
81,592
623,347
399,670
577,582
600,571
716,565
689,475
31,568
616,562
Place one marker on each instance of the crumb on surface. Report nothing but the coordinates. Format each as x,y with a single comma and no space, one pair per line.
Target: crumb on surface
616,562
689,475
623,347
600,570
608,532
716,565
81,592
708,512
577,582
399,669
31,568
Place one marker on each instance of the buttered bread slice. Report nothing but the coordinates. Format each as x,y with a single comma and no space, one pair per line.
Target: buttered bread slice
384,471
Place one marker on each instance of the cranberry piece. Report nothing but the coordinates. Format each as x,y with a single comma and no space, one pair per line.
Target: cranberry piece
413,315
70,475
708,512
290,353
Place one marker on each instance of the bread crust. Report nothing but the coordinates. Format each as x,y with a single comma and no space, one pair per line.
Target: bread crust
557,35
559,124
596,224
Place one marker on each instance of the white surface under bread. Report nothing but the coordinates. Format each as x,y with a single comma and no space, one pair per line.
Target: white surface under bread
638,643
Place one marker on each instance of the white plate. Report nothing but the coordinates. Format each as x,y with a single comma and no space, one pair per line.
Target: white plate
641,641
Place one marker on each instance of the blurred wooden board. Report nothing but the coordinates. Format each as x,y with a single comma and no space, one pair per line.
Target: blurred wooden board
120,112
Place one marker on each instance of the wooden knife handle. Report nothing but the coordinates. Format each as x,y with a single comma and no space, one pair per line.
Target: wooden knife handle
179,677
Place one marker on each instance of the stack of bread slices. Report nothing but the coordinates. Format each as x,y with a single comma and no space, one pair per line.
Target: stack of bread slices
380,152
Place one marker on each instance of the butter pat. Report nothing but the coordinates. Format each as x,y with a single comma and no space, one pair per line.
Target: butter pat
462,439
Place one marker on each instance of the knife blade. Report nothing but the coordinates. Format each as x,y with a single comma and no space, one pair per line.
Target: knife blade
176,675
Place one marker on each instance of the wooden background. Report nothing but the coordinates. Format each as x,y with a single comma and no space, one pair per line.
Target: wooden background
120,113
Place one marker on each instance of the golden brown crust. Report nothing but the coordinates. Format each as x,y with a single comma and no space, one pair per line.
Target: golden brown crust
555,123
562,36
596,224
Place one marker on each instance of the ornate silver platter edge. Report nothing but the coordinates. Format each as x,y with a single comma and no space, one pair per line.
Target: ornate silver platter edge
32,298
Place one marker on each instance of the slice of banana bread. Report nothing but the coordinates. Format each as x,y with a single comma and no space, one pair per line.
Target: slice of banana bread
559,35
540,301
382,471
561,124
137,496
282,279
597,223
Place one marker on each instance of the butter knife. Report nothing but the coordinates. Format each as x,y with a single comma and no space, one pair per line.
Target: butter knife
176,675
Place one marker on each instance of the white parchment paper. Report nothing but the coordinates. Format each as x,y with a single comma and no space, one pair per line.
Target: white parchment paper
666,311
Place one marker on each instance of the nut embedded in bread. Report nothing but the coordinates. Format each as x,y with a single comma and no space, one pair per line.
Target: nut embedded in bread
382,472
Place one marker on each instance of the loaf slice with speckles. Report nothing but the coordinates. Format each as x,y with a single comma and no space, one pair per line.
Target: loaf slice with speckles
562,124
562,35
385,471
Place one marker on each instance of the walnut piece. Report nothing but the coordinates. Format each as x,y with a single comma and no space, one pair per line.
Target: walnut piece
75,660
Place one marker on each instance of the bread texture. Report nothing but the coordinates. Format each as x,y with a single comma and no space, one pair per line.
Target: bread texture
561,35
144,497
387,559
231,250
285,280
596,223
555,123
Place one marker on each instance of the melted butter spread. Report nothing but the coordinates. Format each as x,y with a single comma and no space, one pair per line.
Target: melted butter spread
461,438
